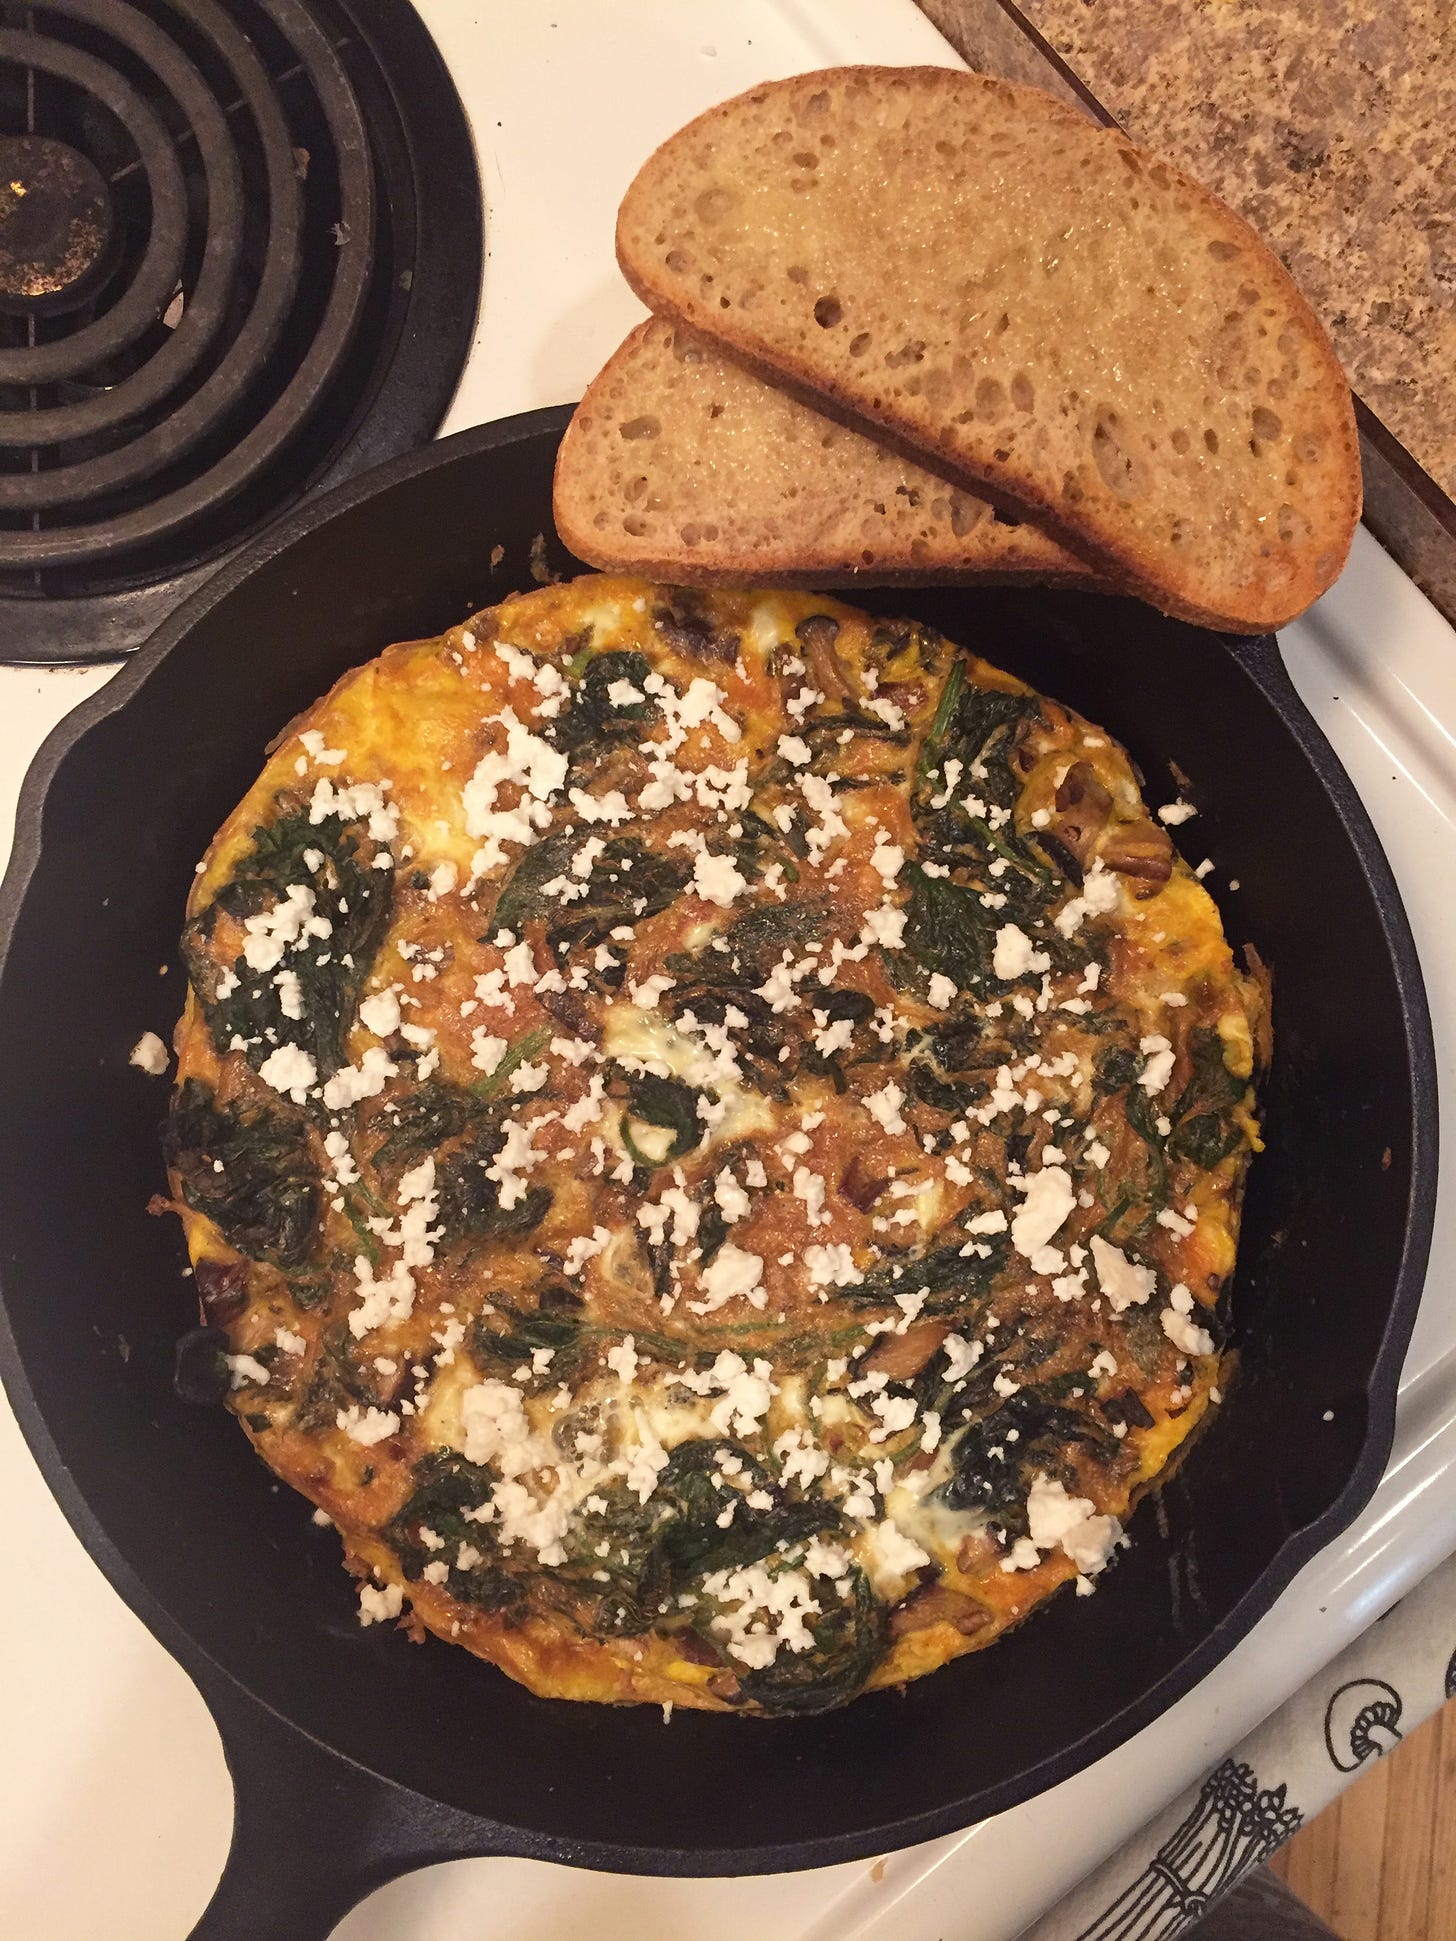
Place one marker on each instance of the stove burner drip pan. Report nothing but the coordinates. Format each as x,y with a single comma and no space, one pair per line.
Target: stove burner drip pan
235,264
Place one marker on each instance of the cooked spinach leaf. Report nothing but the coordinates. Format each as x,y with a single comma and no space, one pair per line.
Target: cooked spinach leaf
753,944
1116,1067
848,1640
510,1335
348,894
447,1487
594,698
657,1551
247,1167
946,928
996,1455
469,1199
1205,1129
422,1122
626,883
336,1379
976,726
953,1282
671,1106
1205,1139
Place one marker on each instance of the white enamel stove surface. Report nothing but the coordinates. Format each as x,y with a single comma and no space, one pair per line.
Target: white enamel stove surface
114,1802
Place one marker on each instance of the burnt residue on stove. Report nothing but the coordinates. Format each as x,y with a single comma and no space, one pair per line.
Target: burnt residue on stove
239,259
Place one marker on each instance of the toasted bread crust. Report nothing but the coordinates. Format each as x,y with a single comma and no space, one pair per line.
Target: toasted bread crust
682,465
1230,501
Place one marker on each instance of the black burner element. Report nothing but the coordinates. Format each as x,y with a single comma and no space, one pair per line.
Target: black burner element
55,226
239,259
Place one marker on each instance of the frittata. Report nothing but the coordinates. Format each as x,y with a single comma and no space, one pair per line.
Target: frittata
710,1130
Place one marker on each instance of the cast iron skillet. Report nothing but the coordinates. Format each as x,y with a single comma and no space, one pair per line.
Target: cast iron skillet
357,1755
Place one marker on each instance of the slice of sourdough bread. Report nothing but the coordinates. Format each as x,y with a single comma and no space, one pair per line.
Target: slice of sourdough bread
681,465
1040,307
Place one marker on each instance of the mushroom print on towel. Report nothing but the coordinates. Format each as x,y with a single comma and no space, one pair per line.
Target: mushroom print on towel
1362,1721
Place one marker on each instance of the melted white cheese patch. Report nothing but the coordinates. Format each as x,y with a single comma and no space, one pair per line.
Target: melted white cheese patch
658,1043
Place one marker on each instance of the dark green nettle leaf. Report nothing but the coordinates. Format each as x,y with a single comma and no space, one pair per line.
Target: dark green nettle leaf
627,882
349,894
753,943
995,1457
510,1336
657,1550
946,928
669,1105
951,1280
469,1198
1205,1129
848,1639
247,1167
595,723
448,1486
421,1122
1205,1139
976,725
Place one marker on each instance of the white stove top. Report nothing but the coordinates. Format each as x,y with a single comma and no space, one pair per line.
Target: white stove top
115,1806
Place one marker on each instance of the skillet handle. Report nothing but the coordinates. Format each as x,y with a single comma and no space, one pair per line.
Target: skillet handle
1259,655
313,1833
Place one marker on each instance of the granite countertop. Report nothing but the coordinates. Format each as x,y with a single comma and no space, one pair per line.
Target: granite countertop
1331,126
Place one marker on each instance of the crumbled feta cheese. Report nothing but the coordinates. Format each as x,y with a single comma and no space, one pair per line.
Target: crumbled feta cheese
624,1361
379,1606
1048,1197
289,1069
1184,1333
1100,893
883,924
1159,1068
1055,1518
732,1272
961,1356
1123,1281
942,991
366,1080
380,1013
149,1055
884,1105
536,768
1015,955
831,1266
717,879
367,1426
891,1555
270,933
244,1369
762,1612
